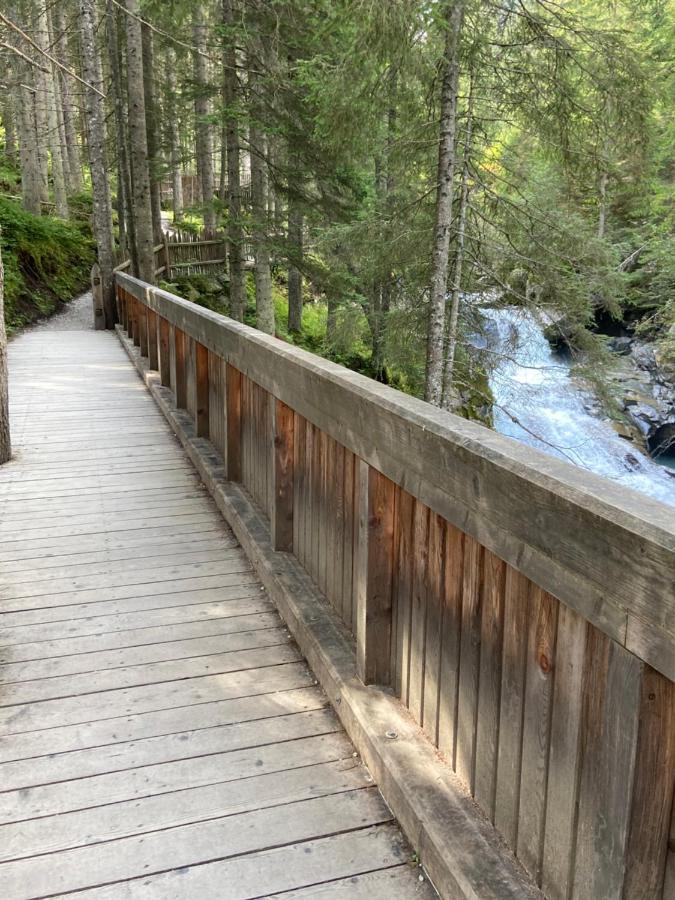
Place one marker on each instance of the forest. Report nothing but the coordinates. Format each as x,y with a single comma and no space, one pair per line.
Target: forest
380,175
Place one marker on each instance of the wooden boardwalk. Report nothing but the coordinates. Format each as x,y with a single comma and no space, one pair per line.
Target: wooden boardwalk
160,735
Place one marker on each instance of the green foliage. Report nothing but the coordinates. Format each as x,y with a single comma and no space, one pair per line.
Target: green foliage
47,261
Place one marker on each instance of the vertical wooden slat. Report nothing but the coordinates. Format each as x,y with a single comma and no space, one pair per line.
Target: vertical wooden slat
216,401
565,755
202,390
611,712
300,501
403,592
153,355
375,576
181,368
331,513
434,612
309,496
536,730
135,326
469,665
349,541
652,803
164,353
514,658
233,379
143,329
420,590
489,682
316,501
452,627
125,310
339,527
281,520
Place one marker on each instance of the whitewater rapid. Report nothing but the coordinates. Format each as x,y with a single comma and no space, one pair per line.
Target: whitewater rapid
538,402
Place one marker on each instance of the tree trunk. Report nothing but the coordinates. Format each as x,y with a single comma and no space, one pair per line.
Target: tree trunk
51,118
203,136
102,218
295,228
31,177
263,275
8,123
75,182
138,141
174,137
444,191
449,394
5,441
126,219
234,227
152,128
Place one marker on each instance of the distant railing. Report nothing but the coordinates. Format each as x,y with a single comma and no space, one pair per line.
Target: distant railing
522,609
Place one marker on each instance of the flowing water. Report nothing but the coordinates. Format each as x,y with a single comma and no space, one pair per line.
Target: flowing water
539,403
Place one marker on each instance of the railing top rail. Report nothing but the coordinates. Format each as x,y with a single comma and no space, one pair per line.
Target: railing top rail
605,550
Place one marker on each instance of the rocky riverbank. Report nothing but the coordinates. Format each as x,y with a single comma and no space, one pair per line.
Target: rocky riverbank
642,380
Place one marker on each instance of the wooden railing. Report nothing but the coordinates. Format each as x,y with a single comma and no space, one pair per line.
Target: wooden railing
522,609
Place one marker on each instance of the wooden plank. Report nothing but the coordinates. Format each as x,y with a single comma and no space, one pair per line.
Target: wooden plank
564,765
164,352
403,590
299,477
469,665
418,612
285,871
653,786
233,423
451,619
153,354
180,356
281,520
434,627
489,683
338,531
514,664
611,711
375,577
202,390
185,846
126,818
143,329
349,541
536,730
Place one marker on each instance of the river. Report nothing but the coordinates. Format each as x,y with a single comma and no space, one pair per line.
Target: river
538,402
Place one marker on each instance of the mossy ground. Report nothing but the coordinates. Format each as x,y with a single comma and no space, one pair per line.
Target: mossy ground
47,260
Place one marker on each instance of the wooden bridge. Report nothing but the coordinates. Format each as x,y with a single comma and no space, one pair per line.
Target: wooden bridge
489,633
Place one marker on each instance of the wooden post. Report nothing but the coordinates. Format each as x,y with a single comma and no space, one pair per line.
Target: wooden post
375,570
124,300
167,256
202,390
281,518
181,374
164,352
233,423
97,297
153,355
143,328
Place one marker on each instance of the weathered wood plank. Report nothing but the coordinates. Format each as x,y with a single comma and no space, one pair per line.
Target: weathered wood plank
202,390
433,626
180,362
233,423
418,610
469,663
281,519
375,579
450,642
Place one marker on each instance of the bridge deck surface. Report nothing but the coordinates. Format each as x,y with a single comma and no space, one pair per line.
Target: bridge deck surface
160,734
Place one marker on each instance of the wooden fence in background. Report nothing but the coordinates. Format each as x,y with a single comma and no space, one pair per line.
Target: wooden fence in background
522,609
188,253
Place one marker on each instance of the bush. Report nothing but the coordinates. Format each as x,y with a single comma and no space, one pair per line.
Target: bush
47,261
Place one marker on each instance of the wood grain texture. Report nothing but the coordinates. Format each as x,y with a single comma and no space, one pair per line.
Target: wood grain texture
600,549
469,666
233,422
164,352
150,725
281,519
180,352
450,642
